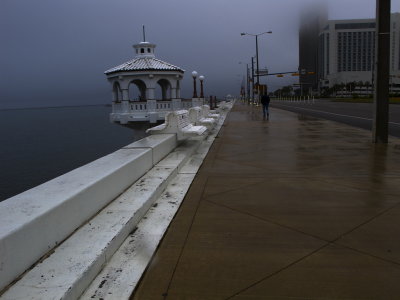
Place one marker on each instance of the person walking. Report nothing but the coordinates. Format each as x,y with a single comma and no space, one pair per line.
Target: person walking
265,104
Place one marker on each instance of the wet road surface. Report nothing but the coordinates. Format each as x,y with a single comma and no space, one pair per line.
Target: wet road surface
353,114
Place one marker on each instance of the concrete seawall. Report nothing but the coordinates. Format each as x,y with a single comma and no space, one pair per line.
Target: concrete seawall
77,221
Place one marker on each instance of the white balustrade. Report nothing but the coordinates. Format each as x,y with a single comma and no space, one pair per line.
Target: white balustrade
146,111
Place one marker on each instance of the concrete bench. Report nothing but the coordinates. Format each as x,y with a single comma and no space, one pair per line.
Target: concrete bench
196,117
207,113
178,122
223,105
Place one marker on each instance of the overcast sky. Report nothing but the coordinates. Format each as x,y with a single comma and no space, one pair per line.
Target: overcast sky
54,52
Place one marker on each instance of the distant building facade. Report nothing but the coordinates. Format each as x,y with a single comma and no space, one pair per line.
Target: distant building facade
312,20
346,54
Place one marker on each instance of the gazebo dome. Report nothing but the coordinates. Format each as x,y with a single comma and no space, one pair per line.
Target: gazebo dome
144,61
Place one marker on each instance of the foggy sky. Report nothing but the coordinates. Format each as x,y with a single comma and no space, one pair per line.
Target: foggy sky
54,53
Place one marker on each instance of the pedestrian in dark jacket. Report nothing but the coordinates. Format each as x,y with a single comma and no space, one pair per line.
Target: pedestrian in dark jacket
265,103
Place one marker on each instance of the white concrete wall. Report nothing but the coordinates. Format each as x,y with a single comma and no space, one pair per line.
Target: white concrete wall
34,222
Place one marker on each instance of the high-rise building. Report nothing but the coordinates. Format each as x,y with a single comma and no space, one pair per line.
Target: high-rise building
347,51
312,20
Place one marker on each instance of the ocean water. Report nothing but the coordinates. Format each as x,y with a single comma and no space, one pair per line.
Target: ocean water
39,144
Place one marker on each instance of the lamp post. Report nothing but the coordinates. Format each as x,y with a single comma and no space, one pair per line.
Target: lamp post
252,80
194,75
257,71
201,77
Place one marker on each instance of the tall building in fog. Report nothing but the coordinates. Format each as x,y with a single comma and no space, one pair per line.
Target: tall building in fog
342,51
312,20
346,51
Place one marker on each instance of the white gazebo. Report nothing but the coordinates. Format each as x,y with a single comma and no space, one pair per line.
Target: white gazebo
146,73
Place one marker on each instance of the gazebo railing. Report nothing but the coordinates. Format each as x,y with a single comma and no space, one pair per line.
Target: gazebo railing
141,106
138,106
164,105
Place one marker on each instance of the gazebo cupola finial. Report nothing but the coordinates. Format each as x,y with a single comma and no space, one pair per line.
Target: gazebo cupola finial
144,49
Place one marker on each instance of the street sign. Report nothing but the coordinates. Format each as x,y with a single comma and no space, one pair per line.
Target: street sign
262,71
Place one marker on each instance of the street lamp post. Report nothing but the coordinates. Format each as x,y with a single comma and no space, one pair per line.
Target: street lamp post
201,86
257,71
194,75
252,79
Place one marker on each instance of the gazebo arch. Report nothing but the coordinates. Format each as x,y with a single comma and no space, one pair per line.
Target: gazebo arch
165,89
117,92
141,86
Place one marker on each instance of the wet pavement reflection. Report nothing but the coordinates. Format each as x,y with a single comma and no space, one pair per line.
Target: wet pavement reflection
293,206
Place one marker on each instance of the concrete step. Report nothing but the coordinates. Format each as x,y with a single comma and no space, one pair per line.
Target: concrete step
39,214
120,276
66,272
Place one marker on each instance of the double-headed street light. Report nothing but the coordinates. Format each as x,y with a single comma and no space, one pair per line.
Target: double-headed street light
257,72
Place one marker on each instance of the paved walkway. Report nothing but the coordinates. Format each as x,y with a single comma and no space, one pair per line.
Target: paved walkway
290,208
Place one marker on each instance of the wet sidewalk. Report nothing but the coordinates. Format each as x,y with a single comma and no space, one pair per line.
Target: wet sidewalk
294,207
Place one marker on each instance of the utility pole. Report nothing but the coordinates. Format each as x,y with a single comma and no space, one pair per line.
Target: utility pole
252,79
382,62
258,71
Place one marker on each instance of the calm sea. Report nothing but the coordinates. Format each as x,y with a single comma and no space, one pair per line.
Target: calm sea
39,144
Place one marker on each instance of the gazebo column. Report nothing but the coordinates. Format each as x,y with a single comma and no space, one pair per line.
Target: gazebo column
176,99
151,99
173,93
151,93
178,88
125,100
172,90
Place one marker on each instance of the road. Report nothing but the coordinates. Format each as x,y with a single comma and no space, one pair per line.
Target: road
354,114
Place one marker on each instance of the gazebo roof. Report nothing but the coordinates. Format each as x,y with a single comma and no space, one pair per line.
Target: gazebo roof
144,64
